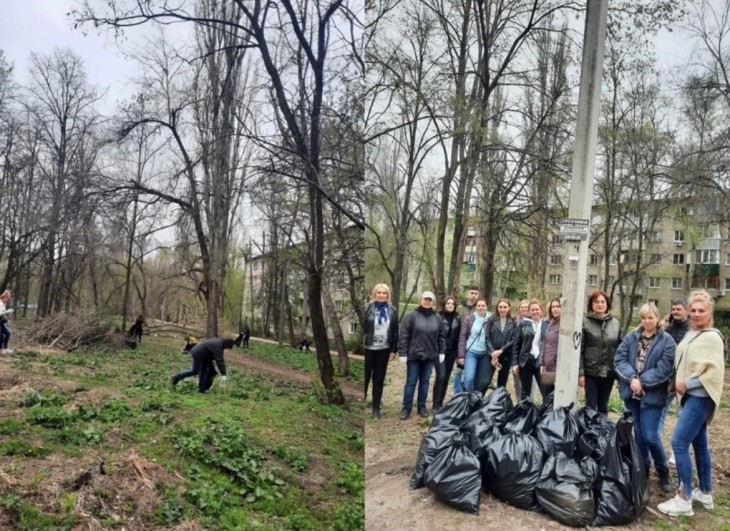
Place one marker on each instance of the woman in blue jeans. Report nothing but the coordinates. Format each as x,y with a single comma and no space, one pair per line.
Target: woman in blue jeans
422,343
700,370
644,362
473,345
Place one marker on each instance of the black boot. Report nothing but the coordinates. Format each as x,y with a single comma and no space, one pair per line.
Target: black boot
664,480
376,413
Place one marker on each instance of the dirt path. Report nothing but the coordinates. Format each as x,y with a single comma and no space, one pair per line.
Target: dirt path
391,448
333,353
248,362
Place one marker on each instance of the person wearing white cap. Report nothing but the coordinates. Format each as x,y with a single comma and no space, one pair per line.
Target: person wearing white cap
422,343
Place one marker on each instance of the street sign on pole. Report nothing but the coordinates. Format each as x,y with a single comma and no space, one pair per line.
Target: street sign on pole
574,230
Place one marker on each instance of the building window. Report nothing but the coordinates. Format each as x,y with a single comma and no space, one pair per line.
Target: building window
470,258
557,239
352,329
710,230
612,260
655,236
654,282
655,302
556,259
592,280
470,276
611,281
338,306
471,232
655,260
678,259
727,284
707,256
677,282
555,279
594,259
678,236
727,259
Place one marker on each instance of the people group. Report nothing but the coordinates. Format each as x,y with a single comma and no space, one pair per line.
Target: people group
678,358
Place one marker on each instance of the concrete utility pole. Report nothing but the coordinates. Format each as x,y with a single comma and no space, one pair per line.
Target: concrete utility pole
575,230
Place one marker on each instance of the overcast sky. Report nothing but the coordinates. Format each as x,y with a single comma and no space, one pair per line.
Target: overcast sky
39,25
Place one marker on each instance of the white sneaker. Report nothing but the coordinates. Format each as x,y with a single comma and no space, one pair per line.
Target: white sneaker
676,507
703,499
671,460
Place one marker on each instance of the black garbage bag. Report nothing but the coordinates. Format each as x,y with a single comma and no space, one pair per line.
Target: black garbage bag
497,405
547,404
565,492
557,431
523,418
592,444
455,477
457,410
591,419
511,468
478,430
623,491
435,440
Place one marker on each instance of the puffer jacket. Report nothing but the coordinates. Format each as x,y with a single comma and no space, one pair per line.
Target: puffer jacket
601,338
370,315
422,337
658,367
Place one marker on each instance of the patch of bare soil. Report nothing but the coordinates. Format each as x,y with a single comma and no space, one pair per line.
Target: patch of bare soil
391,448
249,362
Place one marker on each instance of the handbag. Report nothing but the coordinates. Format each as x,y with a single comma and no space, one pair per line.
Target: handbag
547,378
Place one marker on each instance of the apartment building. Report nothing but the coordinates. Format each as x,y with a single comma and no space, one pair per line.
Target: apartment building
681,249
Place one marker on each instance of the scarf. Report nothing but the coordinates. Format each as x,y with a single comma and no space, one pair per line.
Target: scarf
643,346
382,309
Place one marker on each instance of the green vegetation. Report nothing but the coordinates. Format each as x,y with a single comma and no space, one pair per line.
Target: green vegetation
137,453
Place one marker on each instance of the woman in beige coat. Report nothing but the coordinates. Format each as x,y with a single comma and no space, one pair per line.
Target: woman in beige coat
700,370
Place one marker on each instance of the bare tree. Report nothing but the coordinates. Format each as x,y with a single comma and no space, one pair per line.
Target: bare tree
61,104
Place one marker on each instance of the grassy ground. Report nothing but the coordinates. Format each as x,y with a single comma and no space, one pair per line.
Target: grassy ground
100,440
296,359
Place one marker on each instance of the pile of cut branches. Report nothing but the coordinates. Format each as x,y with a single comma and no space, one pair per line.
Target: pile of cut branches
69,331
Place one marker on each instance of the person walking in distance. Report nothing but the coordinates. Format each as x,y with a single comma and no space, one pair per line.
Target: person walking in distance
380,341
601,338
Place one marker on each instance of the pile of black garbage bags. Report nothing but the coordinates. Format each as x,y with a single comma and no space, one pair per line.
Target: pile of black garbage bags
578,467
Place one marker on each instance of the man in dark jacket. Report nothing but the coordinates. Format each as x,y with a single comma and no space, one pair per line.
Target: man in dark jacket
676,323
422,343
468,307
204,354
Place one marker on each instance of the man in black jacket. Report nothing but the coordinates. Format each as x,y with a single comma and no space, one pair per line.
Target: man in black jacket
204,354
422,343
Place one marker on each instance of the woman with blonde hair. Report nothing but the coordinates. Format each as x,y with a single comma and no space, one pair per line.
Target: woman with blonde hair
4,330
380,341
700,373
644,362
